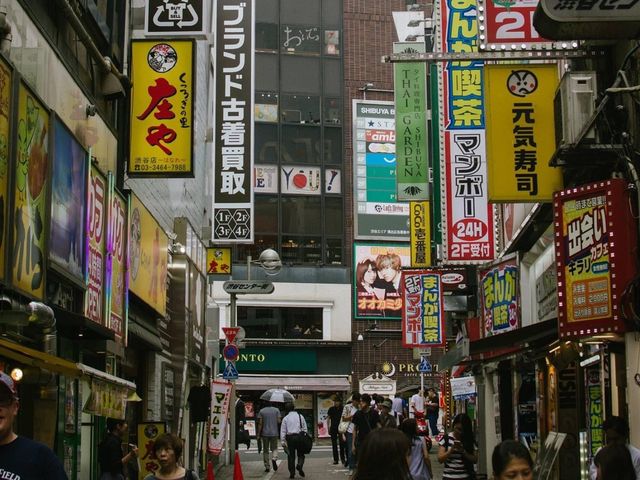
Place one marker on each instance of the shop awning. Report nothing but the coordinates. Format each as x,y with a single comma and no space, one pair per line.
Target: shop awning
532,336
36,358
70,324
316,383
151,339
106,377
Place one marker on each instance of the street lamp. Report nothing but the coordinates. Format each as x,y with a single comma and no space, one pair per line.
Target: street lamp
270,262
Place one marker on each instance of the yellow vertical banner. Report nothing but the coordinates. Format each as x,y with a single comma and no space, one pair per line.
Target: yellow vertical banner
420,227
148,251
5,116
31,192
521,132
148,433
219,260
162,108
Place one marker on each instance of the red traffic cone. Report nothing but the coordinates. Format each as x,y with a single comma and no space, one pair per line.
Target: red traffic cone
237,468
210,475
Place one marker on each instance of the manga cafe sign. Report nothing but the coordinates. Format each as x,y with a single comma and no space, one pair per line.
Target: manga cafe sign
162,108
594,233
498,287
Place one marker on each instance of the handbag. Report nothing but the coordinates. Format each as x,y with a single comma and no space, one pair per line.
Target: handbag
306,440
343,426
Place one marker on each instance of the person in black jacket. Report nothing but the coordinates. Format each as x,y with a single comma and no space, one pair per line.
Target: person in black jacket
110,456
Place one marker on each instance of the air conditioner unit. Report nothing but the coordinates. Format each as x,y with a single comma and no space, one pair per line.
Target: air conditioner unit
574,103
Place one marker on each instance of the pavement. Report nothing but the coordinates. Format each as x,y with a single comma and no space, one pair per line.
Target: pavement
318,465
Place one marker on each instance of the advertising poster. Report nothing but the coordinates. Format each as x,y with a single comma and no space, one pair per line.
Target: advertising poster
148,244
220,394
420,234
96,238
148,432
265,178
232,197
68,193
423,309
468,219
161,108
5,116
593,227
219,260
30,197
325,402
595,413
378,213
117,263
521,132
412,149
498,288
378,279
300,180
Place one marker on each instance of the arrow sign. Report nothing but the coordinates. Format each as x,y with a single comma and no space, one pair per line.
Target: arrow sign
424,366
230,333
230,371
231,352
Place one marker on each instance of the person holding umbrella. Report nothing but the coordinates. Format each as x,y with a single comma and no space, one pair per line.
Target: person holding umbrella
292,424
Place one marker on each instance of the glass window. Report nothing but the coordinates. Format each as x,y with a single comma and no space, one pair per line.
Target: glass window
266,72
267,11
266,143
332,12
332,75
266,36
333,146
266,107
262,242
334,251
298,249
301,215
266,214
334,216
304,39
296,11
332,111
300,109
300,144
281,322
300,74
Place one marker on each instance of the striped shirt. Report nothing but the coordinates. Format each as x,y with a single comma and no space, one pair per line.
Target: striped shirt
453,466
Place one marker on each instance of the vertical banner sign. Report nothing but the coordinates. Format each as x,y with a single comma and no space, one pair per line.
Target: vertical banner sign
469,224
96,237
5,140
148,246
423,309
30,195
220,397
498,287
521,133
161,108
116,278
68,194
594,233
595,415
412,149
378,278
378,214
219,260
420,234
233,125
148,433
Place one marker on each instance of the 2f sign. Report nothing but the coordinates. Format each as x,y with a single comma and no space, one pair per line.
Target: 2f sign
513,25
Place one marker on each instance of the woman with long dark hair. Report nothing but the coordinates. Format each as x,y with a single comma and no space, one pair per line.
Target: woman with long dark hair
383,456
457,450
613,462
419,461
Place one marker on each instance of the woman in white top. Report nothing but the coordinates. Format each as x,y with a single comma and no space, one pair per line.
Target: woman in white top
292,424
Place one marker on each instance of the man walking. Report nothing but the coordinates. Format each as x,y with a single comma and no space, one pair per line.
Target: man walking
292,424
364,420
416,405
347,416
110,456
387,418
267,432
433,410
334,414
21,457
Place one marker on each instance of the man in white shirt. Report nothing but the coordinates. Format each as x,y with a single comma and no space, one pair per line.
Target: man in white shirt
347,415
416,404
616,431
292,424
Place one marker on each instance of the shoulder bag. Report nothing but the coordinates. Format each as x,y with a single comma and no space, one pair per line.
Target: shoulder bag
344,424
306,440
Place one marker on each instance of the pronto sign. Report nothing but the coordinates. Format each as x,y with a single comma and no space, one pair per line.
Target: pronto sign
247,287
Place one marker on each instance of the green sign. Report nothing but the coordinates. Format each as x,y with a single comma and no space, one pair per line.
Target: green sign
275,359
412,152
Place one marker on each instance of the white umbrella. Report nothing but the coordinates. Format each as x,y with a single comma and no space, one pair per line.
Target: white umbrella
277,395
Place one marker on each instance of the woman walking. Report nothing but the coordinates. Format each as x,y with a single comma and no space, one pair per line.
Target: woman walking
419,461
168,449
457,450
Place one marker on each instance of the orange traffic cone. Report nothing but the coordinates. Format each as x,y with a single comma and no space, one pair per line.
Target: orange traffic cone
237,468
210,475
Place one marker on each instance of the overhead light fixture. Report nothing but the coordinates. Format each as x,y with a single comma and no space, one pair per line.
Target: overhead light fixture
134,397
360,337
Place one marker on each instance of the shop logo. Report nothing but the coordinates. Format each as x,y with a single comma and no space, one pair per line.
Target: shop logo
522,83
388,369
162,57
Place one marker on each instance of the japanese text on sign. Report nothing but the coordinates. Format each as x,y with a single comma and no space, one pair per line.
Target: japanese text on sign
423,309
96,239
499,289
220,393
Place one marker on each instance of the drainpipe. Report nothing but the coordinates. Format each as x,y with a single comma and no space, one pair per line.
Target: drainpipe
105,63
5,31
43,316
